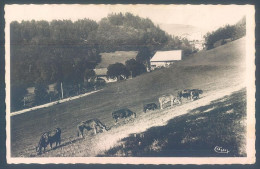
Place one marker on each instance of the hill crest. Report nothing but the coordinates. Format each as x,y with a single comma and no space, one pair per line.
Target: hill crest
187,31
232,53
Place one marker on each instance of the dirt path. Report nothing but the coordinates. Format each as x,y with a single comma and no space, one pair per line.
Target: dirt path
98,144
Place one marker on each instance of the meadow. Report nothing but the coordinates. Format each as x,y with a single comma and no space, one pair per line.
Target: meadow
212,71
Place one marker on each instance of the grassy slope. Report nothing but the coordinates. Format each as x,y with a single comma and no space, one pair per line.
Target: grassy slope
193,73
232,53
193,134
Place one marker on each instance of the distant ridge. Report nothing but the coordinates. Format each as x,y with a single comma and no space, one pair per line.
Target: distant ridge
182,30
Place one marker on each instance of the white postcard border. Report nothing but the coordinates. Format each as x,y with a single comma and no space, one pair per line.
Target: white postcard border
250,78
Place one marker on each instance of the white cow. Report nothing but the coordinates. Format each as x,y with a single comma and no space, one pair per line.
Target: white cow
168,98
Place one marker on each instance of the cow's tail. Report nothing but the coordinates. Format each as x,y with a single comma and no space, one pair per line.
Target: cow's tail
57,136
37,148
77,130
134,114
179,95
144,109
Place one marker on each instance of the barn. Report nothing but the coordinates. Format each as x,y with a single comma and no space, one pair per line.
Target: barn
165,58
52,88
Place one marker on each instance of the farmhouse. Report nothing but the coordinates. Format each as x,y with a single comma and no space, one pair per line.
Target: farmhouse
165,58
197,45
52,88
31,90
29,97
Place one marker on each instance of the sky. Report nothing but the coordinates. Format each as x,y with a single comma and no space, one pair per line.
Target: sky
208,17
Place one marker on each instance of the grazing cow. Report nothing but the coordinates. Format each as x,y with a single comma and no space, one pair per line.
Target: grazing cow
49,137
55,137
168,98
92,124
185,94
195,93
43,143
123,113
150,106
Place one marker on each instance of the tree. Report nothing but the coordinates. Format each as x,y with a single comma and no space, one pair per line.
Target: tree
144,55
227,32
17,95
135,68
41,95
89,73
55,51
61,50
117,70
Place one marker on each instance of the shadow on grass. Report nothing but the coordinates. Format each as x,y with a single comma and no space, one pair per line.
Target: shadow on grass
194,134
57,147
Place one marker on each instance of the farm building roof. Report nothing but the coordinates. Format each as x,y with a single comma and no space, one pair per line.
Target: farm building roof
101,71
30,90
162,56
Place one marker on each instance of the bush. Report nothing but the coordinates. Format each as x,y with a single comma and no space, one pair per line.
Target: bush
224,34
134,67
117,70
17,95
41,95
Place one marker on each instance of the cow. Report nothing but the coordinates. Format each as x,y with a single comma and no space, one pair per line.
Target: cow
122,113
150,106
168,98
55,137
92,124
49,137
185,94
43,143
195,93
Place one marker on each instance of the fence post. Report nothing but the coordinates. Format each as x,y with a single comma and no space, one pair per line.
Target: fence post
61,90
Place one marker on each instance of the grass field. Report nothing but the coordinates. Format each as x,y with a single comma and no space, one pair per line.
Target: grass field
207,70
113,57
197,133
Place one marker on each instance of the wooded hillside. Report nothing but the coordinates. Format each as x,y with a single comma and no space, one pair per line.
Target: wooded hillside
226,34
63,51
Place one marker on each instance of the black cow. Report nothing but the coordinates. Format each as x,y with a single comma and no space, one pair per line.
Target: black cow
123,113
43,143
49,137
185,94
55,137
150,106
195,93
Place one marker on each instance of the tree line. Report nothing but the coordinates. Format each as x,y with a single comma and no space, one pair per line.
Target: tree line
231,32
58,51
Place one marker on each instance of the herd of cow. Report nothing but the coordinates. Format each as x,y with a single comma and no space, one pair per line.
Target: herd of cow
50,137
